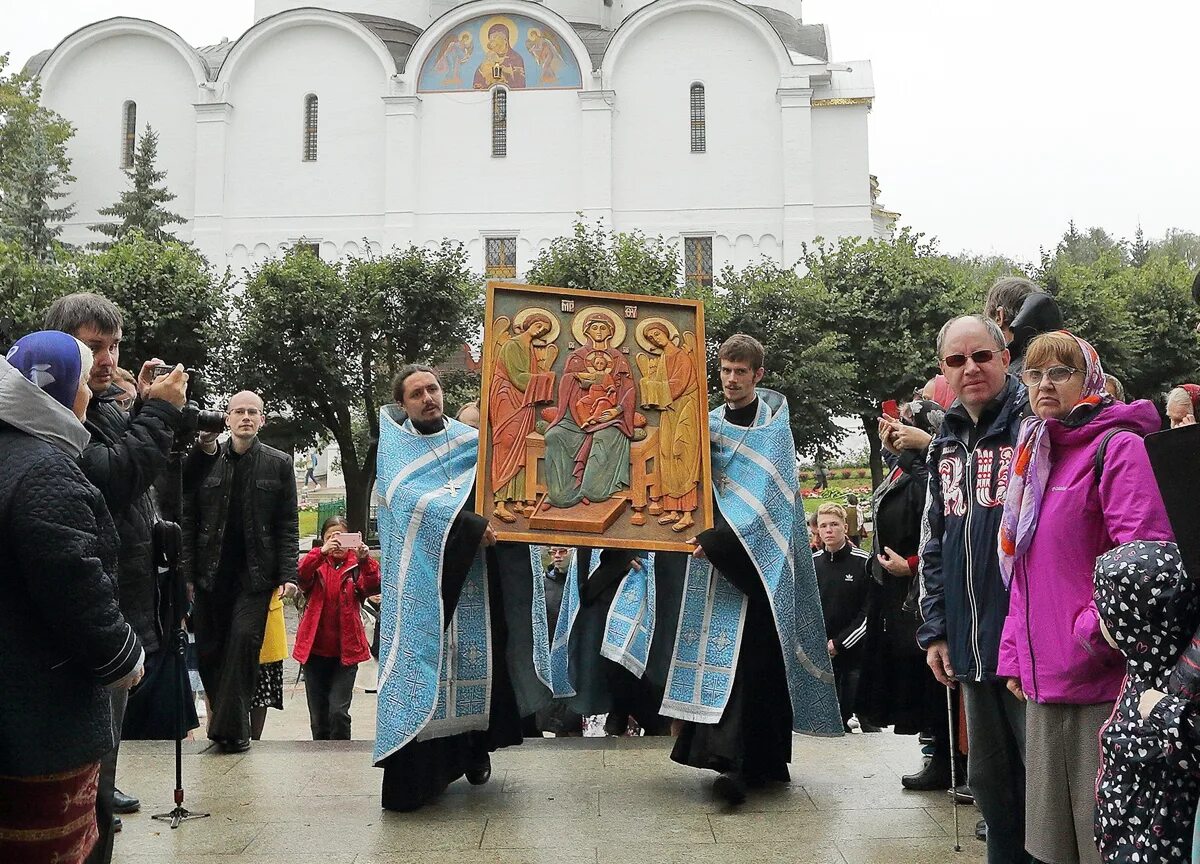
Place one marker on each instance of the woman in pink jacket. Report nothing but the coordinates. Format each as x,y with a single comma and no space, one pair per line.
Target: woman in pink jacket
1065,507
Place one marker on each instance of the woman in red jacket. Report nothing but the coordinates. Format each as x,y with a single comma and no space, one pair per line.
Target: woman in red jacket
330,641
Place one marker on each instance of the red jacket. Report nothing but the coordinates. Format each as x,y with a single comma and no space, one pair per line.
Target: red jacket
355,582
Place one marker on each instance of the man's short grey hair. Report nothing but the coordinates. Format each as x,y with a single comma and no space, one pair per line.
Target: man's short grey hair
1008,293
84,309
988,324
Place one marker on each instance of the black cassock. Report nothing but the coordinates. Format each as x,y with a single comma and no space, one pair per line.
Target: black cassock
421,770
754,736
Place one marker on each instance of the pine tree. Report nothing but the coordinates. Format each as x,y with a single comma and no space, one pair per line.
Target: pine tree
35,181
34,167
1139,252
141,208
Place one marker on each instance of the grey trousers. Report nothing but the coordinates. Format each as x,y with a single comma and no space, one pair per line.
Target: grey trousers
329,687
103,850
996,767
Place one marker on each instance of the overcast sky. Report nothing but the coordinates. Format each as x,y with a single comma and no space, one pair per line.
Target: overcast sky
994,122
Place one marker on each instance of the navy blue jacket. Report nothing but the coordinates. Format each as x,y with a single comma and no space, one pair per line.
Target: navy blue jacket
963,598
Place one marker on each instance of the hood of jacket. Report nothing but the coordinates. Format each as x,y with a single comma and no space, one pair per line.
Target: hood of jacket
1147,601
1140,417
25,406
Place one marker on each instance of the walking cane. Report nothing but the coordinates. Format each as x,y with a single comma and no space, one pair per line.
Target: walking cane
953,766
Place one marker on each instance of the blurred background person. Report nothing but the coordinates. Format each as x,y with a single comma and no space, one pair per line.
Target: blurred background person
124,379
331,640
1081,484
1182,404
898,689
63,639
1114,388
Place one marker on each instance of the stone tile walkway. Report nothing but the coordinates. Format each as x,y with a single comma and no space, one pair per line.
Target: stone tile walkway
565,801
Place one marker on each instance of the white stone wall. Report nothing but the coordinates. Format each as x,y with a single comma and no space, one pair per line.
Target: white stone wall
395,166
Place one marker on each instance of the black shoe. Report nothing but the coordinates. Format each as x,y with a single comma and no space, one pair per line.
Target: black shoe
235,745
116,824
730,787
864,726
481,771
933,777
963,795
123,803
616,724
981,830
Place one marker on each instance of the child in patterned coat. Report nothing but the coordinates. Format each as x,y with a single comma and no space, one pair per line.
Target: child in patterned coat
1149,780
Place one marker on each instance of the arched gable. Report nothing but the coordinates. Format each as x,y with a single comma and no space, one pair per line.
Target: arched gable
454,21
664,8
111,27
263,30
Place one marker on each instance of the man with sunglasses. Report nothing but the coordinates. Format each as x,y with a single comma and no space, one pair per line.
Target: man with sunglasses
963,598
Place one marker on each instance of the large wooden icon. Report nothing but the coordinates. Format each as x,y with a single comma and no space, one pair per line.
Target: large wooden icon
594,427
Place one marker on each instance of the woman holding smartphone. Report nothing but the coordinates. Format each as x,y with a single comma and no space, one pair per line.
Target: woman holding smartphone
331,641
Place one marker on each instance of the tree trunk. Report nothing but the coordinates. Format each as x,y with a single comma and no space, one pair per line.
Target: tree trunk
871,428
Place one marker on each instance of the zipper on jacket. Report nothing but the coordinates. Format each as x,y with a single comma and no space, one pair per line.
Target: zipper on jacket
971,599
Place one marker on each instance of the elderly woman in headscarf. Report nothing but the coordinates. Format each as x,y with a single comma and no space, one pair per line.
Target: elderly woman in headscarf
898,689
62,637
1183,404
1080,485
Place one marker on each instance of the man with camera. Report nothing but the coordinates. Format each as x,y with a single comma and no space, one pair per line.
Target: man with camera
240,546
125,456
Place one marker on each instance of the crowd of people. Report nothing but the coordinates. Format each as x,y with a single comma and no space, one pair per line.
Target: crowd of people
1020,602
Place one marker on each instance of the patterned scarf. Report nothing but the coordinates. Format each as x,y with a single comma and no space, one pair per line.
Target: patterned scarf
1033,460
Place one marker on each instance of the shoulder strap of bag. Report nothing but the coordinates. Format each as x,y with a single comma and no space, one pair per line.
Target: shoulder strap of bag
1098,464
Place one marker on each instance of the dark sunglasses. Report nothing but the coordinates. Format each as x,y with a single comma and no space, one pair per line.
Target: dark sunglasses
955,361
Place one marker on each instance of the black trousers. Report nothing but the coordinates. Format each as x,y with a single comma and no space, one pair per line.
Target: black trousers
329,687
102,852
230,623
847,670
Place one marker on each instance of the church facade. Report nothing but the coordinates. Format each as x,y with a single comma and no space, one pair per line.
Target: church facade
722,126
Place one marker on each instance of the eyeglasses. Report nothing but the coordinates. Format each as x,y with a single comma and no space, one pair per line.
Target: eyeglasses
956,361
1056,374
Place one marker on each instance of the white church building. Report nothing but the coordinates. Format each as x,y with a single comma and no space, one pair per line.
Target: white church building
723,126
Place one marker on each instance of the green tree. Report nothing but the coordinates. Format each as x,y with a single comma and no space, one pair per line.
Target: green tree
174,304
34,166
321,342
27,288
596,259
806,362
888,299
142,207
1165,347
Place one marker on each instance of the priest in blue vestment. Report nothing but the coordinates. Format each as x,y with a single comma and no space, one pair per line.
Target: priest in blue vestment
750,662
446,699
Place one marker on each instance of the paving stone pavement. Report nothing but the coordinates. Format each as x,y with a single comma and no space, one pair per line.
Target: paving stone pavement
564,801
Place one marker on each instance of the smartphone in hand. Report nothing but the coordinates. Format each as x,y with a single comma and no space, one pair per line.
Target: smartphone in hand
350,541
890,409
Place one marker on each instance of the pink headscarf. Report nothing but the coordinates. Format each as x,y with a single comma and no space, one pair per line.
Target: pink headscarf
943,393
1032,462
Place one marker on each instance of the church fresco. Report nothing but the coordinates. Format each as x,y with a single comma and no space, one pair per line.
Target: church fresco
594,419
512,50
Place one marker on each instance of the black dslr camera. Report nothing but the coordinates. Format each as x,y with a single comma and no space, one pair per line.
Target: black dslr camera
196,418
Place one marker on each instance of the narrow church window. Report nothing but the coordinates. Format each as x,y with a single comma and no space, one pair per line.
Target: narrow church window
310,128
697,105
501,258
499,122
698,261
128,134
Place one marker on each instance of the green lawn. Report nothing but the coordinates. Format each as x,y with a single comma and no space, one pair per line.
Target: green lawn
838,488
308,523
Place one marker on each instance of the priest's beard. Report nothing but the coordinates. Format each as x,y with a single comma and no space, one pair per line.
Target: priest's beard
428,428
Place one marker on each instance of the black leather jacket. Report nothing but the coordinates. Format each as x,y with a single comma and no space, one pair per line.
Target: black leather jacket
269,516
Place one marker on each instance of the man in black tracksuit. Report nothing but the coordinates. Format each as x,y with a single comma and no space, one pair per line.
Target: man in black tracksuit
844,583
